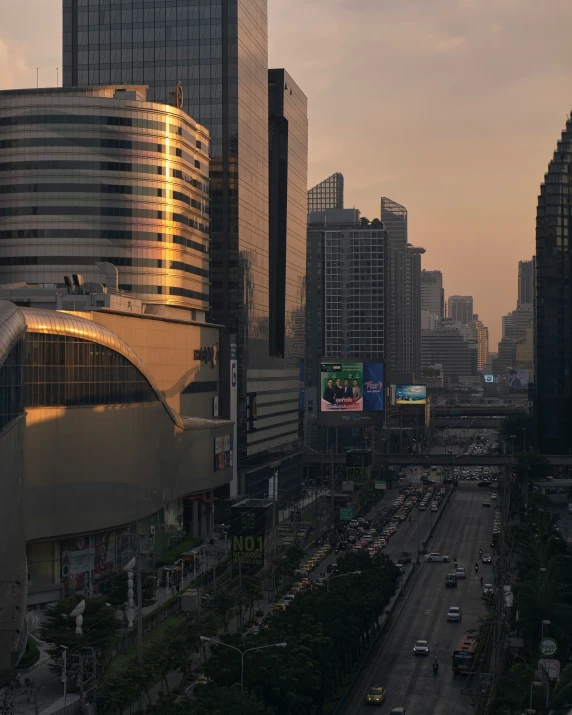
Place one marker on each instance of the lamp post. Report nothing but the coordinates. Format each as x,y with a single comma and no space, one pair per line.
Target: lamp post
536,684
541,570
342,575
243,653
542,624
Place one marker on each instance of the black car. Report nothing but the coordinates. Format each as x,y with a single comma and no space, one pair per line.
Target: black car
487,559
451,580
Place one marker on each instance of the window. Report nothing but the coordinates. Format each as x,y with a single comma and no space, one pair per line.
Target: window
66,371
11,404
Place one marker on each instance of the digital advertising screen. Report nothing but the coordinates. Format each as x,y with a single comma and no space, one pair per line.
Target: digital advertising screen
352,392
410,394
489,378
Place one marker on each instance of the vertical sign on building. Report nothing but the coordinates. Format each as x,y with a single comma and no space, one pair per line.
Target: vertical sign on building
234,412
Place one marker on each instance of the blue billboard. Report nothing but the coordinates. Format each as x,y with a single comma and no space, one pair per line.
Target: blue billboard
373,387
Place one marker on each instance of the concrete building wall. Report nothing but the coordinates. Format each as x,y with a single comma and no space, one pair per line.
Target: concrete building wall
12,544
167,348
92,468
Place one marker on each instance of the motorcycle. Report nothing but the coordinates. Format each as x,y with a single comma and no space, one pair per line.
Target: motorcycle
435,667
476,568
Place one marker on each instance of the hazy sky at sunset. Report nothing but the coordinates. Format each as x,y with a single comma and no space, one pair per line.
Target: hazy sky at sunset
450,107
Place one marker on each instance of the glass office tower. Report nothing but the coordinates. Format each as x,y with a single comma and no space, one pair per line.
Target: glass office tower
328,194
218,51
553,303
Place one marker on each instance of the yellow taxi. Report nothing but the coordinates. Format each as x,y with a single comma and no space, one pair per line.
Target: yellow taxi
375,696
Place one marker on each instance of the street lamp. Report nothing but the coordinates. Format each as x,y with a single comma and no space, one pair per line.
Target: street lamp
542,624
536,684
242,653
541,570
342,575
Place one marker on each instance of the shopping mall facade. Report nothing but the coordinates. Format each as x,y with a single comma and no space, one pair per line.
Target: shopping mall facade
109,375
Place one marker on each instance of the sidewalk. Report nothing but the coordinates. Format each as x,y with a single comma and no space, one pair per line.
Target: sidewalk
50,696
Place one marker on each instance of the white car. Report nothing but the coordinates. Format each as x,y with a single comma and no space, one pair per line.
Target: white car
454,614
460,573
436,557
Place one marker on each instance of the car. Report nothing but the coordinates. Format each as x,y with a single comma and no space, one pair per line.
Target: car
460,572
436,557
451,580
375,696
454,614
397,711
289,597
422,507
203,680
493,497
488,589
487,559
421,648
486,503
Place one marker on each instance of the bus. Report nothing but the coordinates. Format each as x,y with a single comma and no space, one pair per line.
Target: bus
464,654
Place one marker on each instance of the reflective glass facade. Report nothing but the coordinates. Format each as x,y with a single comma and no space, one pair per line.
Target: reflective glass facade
553,303
218,50
66,371
288,178
95,174
11,393
328,194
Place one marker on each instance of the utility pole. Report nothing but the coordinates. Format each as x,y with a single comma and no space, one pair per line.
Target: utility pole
274,532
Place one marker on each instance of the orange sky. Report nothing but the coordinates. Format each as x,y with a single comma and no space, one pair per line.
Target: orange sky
450,107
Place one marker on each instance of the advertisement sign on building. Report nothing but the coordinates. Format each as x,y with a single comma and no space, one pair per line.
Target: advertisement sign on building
517,378
248,549
351,392
223,457
410,394
489,378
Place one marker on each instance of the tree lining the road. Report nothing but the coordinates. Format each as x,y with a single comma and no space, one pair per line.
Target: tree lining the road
327,635
543,591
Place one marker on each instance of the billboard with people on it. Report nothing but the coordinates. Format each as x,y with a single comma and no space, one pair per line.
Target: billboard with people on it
517,378
352,392
410,394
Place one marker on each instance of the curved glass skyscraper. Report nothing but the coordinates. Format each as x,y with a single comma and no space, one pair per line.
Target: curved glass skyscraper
92,175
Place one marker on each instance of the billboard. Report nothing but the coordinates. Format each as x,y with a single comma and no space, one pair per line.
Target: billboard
489,378
410,395
352,392
517,378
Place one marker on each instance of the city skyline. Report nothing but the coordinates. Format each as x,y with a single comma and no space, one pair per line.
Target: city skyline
462,45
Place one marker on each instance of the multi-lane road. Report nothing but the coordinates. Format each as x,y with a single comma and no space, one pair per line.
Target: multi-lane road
409,681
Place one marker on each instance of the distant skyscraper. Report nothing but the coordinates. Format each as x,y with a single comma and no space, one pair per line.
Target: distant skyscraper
460,308
480,334
347,289
394,218
525,283
413,354
446,346
328,194
432,293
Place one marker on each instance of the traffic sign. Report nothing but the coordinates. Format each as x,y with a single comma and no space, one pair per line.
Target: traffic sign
548,646
346,514
381,485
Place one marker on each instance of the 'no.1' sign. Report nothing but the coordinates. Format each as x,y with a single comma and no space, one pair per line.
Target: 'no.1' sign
248,549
